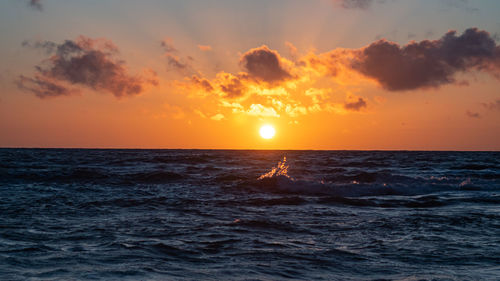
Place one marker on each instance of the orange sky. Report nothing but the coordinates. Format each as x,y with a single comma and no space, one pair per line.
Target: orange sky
198,77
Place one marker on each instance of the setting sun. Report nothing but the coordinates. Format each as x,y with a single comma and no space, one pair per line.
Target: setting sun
267,131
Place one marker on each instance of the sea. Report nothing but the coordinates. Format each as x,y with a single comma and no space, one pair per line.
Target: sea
111,214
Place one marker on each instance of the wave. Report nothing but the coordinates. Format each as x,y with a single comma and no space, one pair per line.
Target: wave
62,175
475,167
91,175
280,170
426,201
126,202
267,224
154,177
358,184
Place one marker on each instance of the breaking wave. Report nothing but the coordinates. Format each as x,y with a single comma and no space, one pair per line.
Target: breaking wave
358,184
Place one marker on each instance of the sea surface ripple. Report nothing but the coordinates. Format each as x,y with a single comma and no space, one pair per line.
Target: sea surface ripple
81,214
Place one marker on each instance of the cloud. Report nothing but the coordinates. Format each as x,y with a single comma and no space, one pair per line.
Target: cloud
217,117
199,113
85,62
266,72
265,65
355,105
168,46
318,95
472,114
202,83
254,109
174,61
292,50
224,85
205,48
196,86
270,85
36,4
232,86
234,106
47,46
354,4
429,63
494,105
295,110
43,87
262,111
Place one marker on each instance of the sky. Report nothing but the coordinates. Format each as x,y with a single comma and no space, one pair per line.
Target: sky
326,74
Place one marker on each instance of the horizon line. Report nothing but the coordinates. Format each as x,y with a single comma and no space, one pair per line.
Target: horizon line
249,149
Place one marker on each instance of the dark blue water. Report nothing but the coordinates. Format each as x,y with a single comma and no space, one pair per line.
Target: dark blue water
248,215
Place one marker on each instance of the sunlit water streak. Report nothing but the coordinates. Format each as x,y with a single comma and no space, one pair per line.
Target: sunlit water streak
237,215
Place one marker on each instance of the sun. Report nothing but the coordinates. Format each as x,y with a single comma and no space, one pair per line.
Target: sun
267,131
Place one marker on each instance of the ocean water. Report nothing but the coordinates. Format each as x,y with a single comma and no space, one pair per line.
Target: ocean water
71,214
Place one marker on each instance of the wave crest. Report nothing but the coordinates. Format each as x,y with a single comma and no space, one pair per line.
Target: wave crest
280,170
355,184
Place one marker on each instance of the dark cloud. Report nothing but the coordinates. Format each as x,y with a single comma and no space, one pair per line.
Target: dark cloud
176,63
265,65
174,60
43,87
429,63
202,83
355,106
36,4
354,4
494,105
86,62
233,87
47,46
168,46
472,114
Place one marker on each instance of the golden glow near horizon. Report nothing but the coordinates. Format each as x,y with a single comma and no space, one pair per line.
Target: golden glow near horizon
267,132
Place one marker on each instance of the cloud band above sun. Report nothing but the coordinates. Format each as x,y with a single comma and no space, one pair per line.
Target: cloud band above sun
270,85
428,64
